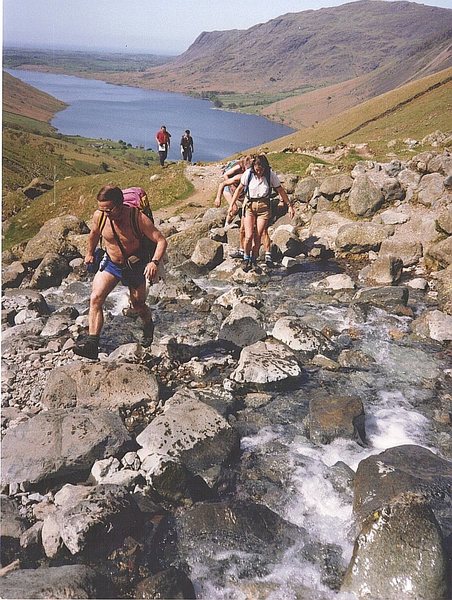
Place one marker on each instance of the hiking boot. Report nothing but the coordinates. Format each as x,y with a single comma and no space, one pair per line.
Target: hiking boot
87,350
148,334
256,269
269,263
246,265
236,254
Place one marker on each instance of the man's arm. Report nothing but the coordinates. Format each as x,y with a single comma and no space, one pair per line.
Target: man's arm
152,233
93,239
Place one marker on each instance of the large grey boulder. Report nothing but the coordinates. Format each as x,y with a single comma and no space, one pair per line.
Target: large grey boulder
288,243
182,245
430,189
13,275
335,185
325,225
110,385
243,326
60,443
300,337
88,516
409,468
188,432
439,255
386,297
68,581
435,325
50,272
53,238
266,364
399,553
207,254
357,238
365,197
385,270
409,250
305,188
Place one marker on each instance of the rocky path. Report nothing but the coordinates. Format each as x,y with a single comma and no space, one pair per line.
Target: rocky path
205,179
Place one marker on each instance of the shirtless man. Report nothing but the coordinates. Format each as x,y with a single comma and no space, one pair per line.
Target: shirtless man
119,225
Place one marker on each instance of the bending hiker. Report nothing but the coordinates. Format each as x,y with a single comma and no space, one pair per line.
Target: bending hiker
231,179
257,183
163,139
186,146
124,261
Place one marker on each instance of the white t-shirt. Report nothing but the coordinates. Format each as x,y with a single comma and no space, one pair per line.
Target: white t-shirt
258,188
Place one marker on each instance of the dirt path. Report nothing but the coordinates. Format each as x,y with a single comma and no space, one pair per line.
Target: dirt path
205,180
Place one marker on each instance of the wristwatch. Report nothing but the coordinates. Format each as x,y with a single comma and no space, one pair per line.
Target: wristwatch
155,261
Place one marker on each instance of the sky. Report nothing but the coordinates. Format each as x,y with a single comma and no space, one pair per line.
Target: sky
152,26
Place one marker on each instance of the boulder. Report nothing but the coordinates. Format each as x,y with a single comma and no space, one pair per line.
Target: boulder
433,324
399,553
409,468
50,272
36,188
267,364
444,287
53,238
109,385
90,516
408,250
207,254
170,583
288,243
324,227
242,327
21,299
356,238
13,275
335,185
365,197
334,417
188,432
444,221
300,337
386,270
305,189
439,255
60,443
68,581
340,281
182,245
430,189
386,297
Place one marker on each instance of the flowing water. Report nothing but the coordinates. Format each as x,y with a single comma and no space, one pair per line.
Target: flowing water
398,393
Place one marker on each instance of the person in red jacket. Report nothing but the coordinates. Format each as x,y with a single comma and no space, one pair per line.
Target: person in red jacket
163,139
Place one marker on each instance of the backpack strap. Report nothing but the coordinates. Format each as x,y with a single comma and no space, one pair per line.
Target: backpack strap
134,222
102,220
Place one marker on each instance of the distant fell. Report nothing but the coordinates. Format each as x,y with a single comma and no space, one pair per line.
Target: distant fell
315,48
23,99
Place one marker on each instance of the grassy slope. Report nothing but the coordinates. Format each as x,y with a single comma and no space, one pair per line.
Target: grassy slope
413,110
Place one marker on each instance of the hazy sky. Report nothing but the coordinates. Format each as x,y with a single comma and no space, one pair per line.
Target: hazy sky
156,26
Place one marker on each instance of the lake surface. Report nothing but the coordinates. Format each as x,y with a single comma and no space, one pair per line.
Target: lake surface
101,110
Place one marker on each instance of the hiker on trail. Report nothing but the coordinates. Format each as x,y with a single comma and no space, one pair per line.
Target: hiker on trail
124,261
257,183
163,139
186,146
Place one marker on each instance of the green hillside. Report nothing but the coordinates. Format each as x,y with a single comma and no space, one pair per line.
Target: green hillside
413,110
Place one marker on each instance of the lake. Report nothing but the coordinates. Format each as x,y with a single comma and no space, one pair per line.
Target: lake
102,110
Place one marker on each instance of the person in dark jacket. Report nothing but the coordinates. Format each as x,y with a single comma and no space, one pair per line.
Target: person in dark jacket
186,146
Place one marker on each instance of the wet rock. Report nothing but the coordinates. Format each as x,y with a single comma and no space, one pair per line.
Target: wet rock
409,468
91,517
434,324
170,583
188,431
353,359
299,336
266,364
69,581
399,554
387,297
109,384
333,417
60,443
341,281
242,327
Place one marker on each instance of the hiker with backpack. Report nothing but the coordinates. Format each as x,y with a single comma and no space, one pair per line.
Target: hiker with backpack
124,230
163,139
186,146
257,183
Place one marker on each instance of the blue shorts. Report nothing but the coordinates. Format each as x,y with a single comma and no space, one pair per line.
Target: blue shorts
133,278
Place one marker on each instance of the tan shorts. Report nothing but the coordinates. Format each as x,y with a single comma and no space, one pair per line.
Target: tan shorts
259,208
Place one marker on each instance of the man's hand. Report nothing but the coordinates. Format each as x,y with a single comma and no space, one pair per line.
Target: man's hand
150,271
89,259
